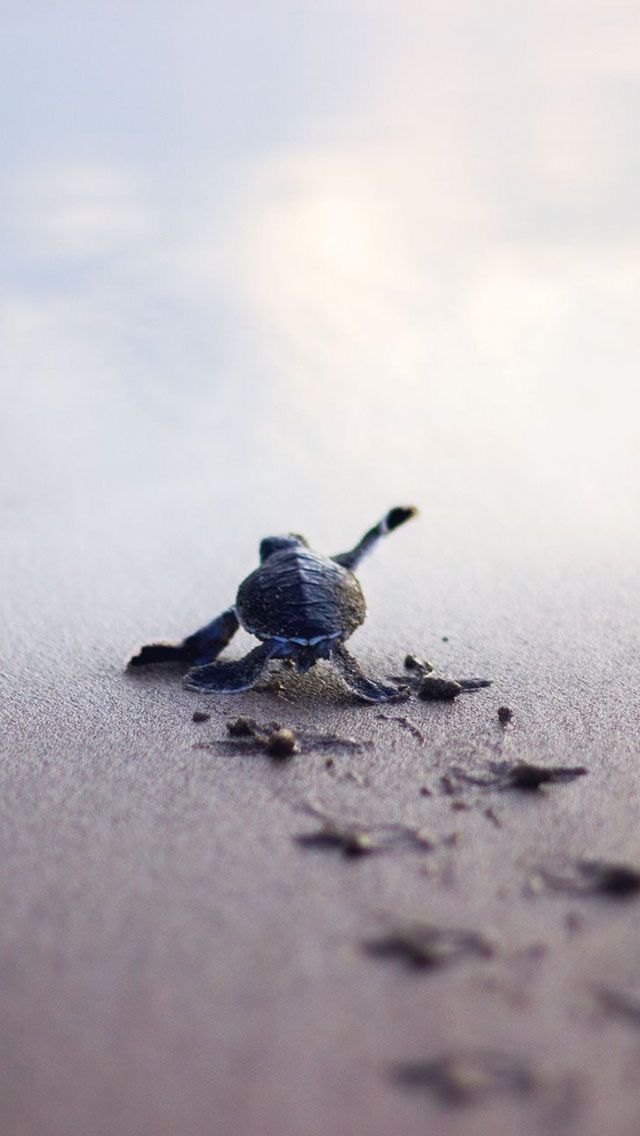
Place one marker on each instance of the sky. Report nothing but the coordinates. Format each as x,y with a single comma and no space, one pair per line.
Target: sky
317,250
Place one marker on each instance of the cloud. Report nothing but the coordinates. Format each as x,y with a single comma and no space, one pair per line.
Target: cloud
76,211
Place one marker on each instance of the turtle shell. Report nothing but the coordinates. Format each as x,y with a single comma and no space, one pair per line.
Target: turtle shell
297,594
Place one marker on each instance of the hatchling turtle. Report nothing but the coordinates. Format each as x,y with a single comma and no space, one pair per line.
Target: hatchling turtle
300,604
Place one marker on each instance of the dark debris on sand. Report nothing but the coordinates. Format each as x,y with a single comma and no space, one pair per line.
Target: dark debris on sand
468,1077
200,716
355,838
247,728
282,743
352,840
620,1004
524,775
248,736
404,723
274,739
416,663
423,946
431,687
591,877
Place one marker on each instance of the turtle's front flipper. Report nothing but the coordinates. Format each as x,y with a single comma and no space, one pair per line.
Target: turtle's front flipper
226,678
393,519
201,647
357,681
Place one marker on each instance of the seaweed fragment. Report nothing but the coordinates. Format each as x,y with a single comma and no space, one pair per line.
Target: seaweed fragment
505,714
423,946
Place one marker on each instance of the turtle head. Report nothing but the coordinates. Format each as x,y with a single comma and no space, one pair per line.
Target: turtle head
272,544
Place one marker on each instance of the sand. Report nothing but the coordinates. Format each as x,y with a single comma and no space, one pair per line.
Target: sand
174,961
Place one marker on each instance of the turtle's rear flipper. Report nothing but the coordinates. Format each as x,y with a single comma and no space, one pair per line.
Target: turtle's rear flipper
201,647
226,678
368,689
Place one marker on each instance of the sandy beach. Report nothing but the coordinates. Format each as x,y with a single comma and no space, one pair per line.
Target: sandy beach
266,320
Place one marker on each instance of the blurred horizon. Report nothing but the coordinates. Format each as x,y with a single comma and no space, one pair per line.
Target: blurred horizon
392,247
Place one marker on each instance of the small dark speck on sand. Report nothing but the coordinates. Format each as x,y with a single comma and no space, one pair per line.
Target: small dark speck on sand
425,791
424,946
505,714
200,716
573,922
452,840
329,763
491,816
594,877
448,786
468,1077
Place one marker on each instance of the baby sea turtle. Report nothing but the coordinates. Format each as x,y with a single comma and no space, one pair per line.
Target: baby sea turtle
301,605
